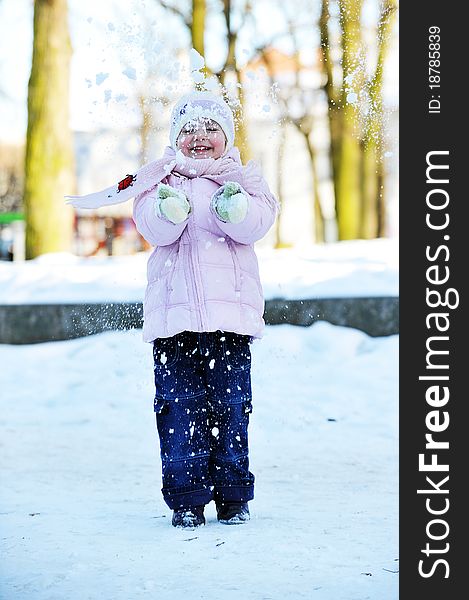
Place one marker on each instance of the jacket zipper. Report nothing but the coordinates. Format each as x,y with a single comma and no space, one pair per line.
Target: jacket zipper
236,265
195,267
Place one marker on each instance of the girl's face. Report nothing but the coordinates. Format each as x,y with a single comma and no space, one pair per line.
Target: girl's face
202,138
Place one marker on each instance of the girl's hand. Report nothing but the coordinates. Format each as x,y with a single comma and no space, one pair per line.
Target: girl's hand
171,204
230,203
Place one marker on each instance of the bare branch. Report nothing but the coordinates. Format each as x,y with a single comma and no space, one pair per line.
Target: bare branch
175,10
247,12
373,126
389,8
326,51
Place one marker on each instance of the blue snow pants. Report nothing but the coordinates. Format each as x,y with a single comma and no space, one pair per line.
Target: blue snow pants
202,405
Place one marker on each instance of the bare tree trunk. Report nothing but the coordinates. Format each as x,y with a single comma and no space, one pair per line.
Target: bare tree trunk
381,201
318,213
349,165
145,129
369,192
374,200
49,163
279,181
199,10
242,133
330,89
241,129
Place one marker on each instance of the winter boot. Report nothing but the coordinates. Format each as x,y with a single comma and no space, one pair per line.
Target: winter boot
189,517
232,513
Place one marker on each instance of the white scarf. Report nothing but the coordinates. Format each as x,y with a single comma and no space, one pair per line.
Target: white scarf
220,170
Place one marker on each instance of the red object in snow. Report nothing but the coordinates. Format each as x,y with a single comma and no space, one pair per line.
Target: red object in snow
126,182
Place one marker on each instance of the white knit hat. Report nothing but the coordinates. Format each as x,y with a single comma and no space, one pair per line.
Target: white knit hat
198,105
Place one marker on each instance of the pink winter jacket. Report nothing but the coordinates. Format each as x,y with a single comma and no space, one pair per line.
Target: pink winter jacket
203,274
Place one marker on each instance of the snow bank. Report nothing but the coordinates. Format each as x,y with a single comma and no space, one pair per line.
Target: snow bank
344,269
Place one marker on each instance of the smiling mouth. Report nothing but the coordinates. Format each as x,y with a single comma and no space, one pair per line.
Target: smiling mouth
200,148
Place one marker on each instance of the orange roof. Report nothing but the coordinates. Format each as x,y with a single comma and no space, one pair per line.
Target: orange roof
276,62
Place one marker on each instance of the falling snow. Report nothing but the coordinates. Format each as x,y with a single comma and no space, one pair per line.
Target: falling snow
342,390
130,72
198,77
196,60
100,77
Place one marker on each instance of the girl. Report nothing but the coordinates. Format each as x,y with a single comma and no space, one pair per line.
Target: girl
203,210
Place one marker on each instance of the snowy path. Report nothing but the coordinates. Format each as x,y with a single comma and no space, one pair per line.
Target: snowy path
81,513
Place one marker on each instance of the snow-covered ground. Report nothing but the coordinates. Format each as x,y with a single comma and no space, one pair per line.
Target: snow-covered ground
81,511
355,268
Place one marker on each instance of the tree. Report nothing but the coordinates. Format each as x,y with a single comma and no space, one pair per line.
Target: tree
345,145
197,25
373,219
279,183
49,161
356,119
301,117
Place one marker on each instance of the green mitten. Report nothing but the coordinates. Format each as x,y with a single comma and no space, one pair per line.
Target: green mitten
172,204
230,203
